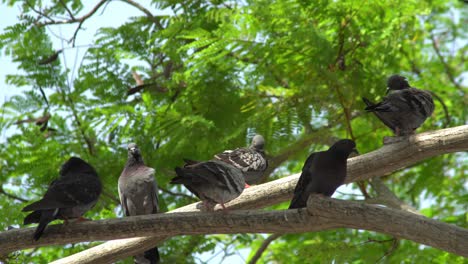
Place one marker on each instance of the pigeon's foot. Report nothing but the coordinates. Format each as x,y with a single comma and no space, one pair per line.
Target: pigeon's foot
225,210
206,206
393,140
82,219
247,186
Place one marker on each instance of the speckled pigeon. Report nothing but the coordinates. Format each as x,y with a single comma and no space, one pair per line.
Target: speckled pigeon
251,160
212,181
70,196
404,109
138,194
323,172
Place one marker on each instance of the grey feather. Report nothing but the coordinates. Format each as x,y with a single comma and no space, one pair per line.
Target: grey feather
404,109
212,181
251,161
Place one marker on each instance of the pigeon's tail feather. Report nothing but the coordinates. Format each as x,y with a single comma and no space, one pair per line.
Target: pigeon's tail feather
180,179
33,217
150,256
369,104
47,216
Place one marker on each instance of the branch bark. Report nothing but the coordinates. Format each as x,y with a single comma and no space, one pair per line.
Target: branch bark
381,162
322,213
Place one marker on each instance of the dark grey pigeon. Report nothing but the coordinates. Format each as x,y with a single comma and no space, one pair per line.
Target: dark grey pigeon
251,160
138,194
323,172
70,196
212,181
404,109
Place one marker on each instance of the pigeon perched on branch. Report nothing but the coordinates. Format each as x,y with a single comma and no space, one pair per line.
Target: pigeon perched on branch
252,160
138,194
323,172
404,109
70,196
212,181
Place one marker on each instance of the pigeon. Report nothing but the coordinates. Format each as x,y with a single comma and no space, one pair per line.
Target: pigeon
70,196
212,181
323,172
251,161
138,194
404,109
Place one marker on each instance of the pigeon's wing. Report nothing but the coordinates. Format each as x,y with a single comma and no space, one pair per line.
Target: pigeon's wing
152,191
300,197
237,157
82,189
371,107
419,100
123,199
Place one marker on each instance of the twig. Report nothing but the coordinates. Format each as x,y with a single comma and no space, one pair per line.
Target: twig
2,191
447,114
447,68
68,10
263,247
72,20
386,197
392,249
73,38
146,11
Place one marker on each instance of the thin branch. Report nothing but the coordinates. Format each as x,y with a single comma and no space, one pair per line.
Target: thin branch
12,196
68,10
386,197
72,20
447,114
447,67
393,247
377,163
146,11
73,38
263,247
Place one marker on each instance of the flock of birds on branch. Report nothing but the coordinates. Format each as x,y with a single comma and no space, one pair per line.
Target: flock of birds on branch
224,177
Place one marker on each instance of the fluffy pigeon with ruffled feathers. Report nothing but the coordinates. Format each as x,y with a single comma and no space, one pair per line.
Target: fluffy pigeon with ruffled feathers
70,196
252,160
404,109
138,194
323,172
214,182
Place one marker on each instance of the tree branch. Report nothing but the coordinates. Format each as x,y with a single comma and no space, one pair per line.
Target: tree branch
386,197
146,11
381,162
73,20
263,247
322,213
11,196
447,68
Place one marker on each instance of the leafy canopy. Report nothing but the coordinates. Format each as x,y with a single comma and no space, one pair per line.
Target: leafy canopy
214,73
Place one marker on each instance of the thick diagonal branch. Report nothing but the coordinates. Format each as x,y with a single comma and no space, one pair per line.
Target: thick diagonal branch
381,162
